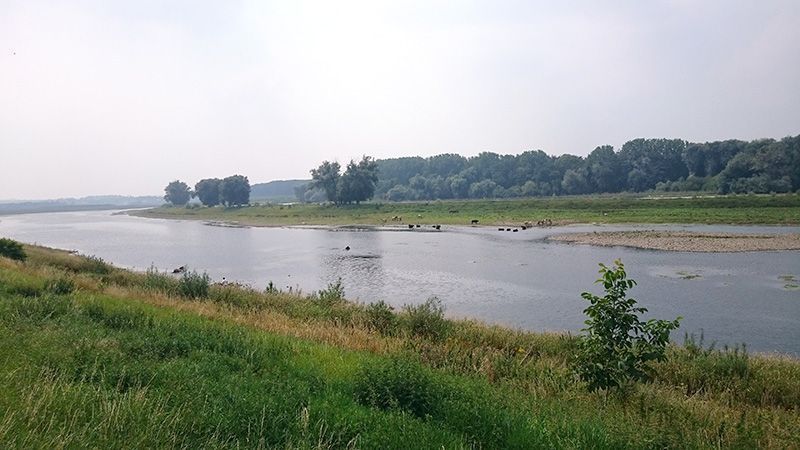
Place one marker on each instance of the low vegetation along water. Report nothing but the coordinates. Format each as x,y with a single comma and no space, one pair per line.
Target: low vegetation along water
94,356
516,279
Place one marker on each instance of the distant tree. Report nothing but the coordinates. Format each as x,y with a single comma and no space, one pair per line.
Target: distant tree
177,193
235,190
400,193
482,189
207,190
357,184
326,177
574,182
459,186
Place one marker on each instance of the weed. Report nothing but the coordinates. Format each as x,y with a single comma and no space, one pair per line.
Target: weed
60,286
380,317
331,295
194,285
397,384
427,319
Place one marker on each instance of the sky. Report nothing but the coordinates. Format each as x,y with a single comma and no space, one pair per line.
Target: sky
122,97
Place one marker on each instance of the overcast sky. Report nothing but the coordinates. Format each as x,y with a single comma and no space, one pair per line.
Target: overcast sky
104,97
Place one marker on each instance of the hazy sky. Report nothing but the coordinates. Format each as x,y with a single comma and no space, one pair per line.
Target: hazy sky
104,97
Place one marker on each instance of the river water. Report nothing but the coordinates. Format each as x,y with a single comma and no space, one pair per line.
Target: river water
514,279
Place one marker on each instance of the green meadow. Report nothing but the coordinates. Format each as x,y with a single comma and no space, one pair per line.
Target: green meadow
743,209
100,357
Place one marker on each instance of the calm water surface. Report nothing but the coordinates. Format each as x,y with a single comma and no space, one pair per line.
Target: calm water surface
514,279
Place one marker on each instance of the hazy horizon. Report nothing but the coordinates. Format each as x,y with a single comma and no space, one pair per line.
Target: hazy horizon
104,98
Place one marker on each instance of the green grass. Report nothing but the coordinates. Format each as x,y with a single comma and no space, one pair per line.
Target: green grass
107,358
750,209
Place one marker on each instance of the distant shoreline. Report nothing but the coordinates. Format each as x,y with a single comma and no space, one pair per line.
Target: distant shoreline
684,241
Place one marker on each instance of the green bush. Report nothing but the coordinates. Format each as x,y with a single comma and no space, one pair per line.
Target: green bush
427,319
397,384
158,281
60,286
12,249
618,346
97,265
194,285
381,318
333,294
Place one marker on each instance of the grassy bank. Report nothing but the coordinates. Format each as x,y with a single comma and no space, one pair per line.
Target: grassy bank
95,356
778,209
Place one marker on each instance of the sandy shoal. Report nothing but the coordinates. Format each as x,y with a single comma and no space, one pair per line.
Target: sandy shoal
685,241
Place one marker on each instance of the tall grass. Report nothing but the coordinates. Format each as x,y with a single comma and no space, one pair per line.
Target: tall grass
124,359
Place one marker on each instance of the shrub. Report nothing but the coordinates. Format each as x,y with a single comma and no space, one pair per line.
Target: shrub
618,346
381,318
333,294
97,265
194,285
157,281
12,249
60,286
427,319
397,384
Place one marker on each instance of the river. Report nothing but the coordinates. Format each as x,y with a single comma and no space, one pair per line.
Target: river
514,279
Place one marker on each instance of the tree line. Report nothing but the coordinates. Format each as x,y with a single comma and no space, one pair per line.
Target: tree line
731,166
231,191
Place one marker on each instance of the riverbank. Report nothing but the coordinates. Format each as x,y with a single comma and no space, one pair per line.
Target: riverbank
684,241
742,210
98,356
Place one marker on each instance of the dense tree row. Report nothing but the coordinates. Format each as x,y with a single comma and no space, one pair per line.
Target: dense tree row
641,164
231,191
355,185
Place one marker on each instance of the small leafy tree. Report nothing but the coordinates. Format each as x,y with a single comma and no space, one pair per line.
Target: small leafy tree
207,190
618,347
12,249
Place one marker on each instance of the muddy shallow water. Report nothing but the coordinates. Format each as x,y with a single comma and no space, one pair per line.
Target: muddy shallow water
515,279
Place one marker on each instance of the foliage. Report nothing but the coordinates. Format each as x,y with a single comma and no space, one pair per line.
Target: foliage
60,286
618,347
208,191
397,384
235,190
326,178
333,294
357,184
426,319
381,318
194,285
12,249
760,166
177,193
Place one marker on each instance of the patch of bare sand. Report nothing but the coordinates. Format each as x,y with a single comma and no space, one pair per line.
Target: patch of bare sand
685,241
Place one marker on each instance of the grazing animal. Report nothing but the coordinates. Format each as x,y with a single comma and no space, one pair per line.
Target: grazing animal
411,225
515,230
417,225
524,228
438,227
347,248
474,221
501,229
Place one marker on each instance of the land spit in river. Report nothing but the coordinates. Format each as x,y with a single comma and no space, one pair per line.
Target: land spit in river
685,241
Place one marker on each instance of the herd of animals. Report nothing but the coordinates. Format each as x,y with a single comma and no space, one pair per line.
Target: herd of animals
526,225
